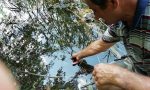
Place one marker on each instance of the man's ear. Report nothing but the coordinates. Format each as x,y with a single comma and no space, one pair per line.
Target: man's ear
114,3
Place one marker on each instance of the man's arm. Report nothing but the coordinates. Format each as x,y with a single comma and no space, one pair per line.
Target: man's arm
94,48
113,75
135,81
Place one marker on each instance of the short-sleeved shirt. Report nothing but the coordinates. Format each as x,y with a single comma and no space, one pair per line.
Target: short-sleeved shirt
136,38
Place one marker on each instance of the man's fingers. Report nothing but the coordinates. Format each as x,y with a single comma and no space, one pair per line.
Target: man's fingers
96,69
75,63
96,83
94,76
94,73
74,59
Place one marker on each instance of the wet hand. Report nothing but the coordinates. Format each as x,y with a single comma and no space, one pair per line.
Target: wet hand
75,58
108,74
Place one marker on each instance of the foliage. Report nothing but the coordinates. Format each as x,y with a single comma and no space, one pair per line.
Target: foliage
34,28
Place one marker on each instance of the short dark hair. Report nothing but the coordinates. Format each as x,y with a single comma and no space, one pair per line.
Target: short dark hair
101,3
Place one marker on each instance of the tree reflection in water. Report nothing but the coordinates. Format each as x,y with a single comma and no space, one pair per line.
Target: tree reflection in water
37,39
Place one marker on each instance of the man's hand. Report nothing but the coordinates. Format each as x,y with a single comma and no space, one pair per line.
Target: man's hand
76,58
108,75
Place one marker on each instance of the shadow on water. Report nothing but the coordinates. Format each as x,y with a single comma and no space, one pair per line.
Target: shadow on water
37,39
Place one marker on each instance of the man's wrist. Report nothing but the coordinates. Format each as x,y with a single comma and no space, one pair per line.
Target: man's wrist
130,81
80,55
123,79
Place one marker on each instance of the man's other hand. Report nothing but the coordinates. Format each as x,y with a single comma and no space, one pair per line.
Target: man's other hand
108,75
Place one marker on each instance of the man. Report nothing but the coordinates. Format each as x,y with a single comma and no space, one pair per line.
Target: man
132,17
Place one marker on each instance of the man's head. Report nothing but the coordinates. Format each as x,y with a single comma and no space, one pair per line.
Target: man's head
101,3
109,10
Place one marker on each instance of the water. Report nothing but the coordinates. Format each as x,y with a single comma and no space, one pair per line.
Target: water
37,43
